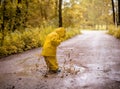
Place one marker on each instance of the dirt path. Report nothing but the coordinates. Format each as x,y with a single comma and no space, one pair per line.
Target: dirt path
88,61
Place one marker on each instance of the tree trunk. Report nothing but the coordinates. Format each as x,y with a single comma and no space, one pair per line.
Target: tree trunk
60,13
118,12
17,17
26,13
19,1
114,21
3,24
56,7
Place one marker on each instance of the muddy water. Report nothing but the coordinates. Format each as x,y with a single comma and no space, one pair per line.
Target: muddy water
87,61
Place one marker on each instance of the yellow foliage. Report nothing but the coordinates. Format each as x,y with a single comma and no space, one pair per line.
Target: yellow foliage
44,33
5,50
111,29
115,31
0,36
70,32
16,42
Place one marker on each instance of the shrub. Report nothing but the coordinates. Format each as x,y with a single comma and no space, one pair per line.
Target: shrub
111,29
44,32
28,36
114,30
12,44
16,42
70,32
117,33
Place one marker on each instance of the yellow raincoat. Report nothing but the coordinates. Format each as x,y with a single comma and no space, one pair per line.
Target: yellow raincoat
50,47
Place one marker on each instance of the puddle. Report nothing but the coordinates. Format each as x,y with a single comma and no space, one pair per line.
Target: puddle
72,69
67,71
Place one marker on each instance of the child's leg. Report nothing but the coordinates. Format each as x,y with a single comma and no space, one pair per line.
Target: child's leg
51,62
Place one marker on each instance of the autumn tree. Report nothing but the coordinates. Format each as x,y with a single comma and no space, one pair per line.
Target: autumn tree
97,12
60,13
21,14
3,19
72,13
113,9
116,11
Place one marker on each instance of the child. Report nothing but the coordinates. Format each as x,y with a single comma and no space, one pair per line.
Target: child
50,47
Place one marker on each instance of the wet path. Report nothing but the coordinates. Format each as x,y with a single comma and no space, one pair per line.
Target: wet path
88,61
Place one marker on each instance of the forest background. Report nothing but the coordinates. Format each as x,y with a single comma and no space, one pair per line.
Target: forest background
24,24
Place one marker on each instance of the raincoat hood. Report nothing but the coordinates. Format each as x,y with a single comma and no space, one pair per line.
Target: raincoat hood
61,31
